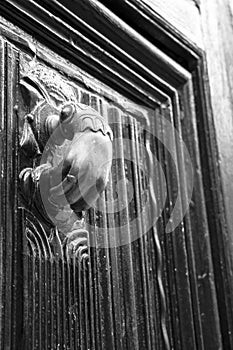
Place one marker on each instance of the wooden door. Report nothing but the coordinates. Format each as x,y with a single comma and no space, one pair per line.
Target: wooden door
147,274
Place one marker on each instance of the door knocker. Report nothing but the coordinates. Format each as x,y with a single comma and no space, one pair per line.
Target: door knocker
69,146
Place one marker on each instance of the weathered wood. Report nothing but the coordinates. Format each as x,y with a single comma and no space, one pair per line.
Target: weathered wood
218,44
117,298
183,15
10,269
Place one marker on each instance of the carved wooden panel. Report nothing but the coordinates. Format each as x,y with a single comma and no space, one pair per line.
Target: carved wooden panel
142,276
69,299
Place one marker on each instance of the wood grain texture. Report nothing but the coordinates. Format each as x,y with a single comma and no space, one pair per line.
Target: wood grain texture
218,34
217,22
9,198
184,15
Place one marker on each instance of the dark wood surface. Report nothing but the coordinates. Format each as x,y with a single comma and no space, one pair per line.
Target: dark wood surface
141,65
